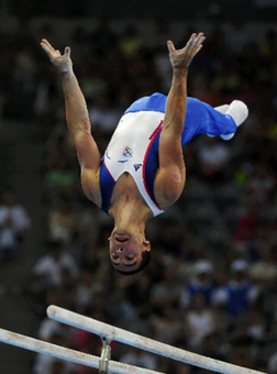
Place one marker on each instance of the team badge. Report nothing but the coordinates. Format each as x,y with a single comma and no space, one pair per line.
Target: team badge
127,152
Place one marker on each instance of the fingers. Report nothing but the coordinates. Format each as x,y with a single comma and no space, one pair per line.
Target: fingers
46,45
52,53
200,38
45,48
67,51
170,46
198,48
191,40
183,57
195,41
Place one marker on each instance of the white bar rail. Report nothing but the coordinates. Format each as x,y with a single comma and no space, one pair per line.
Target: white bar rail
39,346
114,333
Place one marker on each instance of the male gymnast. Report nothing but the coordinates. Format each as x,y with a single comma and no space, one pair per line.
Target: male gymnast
142,172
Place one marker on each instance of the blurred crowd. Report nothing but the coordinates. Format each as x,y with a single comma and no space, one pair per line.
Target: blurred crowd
211,286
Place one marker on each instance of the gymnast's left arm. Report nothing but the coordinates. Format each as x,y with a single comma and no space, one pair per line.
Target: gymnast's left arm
170,179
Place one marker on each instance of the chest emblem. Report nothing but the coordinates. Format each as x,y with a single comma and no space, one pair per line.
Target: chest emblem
127,152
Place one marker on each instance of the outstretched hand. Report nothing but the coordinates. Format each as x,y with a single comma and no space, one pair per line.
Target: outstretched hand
181,58
63,63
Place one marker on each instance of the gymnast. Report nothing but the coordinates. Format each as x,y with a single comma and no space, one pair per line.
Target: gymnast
142,172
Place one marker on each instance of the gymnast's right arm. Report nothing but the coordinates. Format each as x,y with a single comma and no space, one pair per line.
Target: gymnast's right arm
77,119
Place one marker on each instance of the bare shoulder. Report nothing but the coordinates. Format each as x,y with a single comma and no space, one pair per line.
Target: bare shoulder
90,182
168,185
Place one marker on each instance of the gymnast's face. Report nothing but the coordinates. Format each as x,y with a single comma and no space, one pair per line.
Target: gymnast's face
126,250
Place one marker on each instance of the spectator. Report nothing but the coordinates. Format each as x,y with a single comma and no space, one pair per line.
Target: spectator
137,357
248,222
64,223
130,43
199,322
60,179
49,268
167,291
272,364
45,364
201,283
14,223
167,326
264,271
239,293
214,157
88,286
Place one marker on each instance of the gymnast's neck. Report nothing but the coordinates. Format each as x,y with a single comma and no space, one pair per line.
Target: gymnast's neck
130,213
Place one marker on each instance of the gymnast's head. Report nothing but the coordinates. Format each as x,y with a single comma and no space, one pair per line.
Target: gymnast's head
129,251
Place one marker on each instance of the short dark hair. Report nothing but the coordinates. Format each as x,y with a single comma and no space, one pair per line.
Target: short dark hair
145,259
